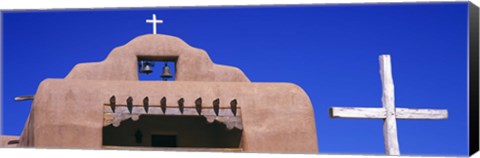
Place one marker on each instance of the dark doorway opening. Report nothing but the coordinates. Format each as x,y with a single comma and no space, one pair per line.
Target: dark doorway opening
164,141
171,131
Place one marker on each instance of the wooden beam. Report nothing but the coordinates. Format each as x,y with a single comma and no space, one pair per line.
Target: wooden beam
379,113
23,98
122,113
13,142
368,113
427,114
388,101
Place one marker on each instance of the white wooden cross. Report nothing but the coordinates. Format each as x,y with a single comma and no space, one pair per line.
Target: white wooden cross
154,22
388,112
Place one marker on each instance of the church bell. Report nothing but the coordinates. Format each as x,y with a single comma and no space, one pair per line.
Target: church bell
166,72
146,67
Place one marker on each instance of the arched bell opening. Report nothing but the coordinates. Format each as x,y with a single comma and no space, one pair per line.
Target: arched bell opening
157,68
167,131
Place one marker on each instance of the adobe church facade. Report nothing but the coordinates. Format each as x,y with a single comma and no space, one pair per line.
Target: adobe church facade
207,107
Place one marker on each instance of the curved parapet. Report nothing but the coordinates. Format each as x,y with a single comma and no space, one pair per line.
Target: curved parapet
192,64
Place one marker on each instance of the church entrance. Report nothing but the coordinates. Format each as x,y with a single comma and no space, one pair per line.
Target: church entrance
164,131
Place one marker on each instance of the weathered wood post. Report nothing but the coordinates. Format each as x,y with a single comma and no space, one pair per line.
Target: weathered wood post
388,101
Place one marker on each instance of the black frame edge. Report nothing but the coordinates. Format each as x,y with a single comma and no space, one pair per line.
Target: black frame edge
473,57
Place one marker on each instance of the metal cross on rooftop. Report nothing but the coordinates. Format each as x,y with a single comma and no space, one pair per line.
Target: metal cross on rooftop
389,113
154,22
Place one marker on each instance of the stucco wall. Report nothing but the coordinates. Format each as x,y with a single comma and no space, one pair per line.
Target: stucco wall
277,117
4,139
68,113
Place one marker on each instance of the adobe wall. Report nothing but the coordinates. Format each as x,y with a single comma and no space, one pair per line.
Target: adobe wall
277,117
4,139
68,113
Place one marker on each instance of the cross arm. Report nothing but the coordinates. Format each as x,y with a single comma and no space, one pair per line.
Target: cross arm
153,21
380,113
371,113
427,114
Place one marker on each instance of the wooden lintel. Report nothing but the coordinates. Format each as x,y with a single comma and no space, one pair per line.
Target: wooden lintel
225,115
157,105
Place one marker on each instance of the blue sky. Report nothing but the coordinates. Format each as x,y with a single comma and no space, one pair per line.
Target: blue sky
331,51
